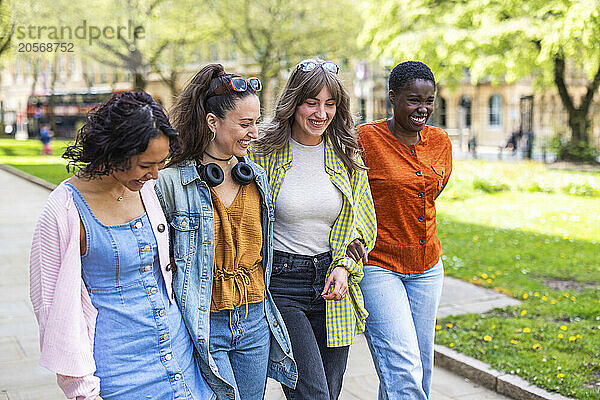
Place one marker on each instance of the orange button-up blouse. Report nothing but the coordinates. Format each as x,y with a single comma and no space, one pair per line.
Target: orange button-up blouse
405,180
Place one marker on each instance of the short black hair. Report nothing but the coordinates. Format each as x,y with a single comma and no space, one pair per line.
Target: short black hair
408,71
117,130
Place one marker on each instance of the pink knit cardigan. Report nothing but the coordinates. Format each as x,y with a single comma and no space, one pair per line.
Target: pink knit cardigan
61,303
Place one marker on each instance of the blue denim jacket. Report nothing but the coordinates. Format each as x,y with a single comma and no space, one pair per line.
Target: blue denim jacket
187,204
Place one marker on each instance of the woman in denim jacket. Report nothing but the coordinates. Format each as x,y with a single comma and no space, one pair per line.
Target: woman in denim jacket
217,204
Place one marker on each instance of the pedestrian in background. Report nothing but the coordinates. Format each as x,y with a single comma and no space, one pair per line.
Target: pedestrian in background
324,224
46,139
409,166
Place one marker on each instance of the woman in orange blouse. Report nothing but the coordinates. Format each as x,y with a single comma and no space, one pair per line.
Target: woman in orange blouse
409,165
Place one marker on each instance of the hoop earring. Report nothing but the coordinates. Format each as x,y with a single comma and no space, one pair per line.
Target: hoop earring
214,135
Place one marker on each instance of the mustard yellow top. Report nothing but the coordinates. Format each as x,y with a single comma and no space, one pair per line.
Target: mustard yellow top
238,275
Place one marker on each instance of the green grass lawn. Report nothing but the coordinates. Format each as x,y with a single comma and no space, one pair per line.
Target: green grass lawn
542,248
25,155
523,229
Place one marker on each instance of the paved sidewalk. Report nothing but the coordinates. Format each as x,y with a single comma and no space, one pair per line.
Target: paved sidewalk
22,378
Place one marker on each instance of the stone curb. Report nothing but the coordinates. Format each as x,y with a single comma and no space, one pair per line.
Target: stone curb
481,373
28,177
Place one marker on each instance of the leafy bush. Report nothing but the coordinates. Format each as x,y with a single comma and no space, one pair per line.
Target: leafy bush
489,187
574,150
582,189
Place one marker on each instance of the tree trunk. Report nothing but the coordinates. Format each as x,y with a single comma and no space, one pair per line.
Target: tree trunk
580,125
52,100
579,120
263,92
139,82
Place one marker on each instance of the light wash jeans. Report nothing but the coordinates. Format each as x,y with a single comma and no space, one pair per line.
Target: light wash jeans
240,344
401,328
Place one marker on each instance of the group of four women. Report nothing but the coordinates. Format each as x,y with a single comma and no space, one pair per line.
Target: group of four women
250,255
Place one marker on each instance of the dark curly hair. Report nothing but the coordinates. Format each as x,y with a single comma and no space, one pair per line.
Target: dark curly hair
117,130
195,102
407,72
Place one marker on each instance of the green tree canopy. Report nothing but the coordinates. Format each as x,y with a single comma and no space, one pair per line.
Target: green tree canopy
497,39
273,35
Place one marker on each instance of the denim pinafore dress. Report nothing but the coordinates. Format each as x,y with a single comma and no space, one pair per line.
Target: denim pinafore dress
142,349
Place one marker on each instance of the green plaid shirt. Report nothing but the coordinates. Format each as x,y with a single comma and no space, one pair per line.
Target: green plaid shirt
345,318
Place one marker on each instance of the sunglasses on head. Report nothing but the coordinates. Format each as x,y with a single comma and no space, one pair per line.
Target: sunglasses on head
307,66
238,84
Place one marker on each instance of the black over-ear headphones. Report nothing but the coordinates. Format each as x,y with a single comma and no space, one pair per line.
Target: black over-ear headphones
212,174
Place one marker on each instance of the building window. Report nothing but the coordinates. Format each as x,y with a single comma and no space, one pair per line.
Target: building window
442,111
102,74
495,106
464,112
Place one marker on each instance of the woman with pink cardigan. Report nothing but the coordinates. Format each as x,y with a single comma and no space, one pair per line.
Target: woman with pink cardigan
100,272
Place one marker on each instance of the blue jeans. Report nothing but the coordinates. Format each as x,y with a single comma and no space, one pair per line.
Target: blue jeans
400,328
240,347
296,284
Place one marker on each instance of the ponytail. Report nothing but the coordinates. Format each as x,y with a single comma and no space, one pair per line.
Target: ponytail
193,105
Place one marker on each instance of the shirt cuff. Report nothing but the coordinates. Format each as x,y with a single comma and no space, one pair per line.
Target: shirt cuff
79,387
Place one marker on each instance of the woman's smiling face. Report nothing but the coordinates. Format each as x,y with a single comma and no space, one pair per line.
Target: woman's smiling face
313,117
413,105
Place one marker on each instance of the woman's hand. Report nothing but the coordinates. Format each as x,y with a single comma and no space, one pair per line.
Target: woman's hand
356,251
339,280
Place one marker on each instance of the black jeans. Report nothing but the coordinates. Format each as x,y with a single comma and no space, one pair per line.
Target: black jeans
296,284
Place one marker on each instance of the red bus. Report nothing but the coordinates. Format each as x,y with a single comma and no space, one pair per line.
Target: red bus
70,110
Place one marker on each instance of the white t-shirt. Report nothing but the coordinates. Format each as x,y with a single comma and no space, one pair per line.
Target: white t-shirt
307,205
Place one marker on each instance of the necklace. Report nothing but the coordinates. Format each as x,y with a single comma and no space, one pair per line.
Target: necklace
220,159
119,198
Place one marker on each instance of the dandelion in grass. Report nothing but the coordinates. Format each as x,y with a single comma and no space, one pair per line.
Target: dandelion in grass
513,341
560,336
526,330
487,338
579,336
537,346
573,299
525,296
451,345
449,325
560,375
544,298
552,301
484,276
572,338
536,294
523,312
563,328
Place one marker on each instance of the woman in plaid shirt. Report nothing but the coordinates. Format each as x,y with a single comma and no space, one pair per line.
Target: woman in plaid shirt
324,224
